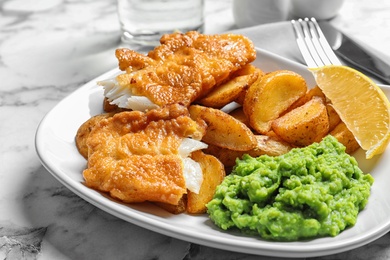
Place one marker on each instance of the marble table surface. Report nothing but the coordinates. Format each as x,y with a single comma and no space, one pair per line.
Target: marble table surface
49,48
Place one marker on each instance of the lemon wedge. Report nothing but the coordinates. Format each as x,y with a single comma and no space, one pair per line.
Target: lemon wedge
360,103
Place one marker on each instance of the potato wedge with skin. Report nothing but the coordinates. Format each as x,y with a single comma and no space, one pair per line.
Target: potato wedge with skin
304,125
316,91
265,145
270,146
270,96
334,118
228,91
226,156
222,129
240,99
246,70
213,174
344,136
174,209
239,114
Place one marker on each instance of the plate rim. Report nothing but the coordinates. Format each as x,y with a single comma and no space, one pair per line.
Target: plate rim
270,248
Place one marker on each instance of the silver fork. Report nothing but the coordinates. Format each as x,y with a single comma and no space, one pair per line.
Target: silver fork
312,43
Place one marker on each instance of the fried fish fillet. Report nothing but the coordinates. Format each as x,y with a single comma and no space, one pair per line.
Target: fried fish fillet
180,70
84,131
138,156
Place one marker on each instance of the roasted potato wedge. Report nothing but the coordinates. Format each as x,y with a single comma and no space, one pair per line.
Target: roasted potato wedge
226,156
316,91
334,118
228,91
240,99
304,125
239,114
213,174
345,136
265,145
174,209
270,96
223,130
270,146
246,70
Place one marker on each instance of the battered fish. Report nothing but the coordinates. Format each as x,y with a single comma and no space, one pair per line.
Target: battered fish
84,131
138,156
180,70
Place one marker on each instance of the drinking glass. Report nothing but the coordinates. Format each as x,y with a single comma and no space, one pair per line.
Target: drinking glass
145,21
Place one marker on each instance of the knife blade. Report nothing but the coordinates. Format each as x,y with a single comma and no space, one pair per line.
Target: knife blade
354,54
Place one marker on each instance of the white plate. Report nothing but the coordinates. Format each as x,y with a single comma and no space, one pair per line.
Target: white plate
56,148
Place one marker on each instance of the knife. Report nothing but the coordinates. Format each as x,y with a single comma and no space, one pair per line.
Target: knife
355,55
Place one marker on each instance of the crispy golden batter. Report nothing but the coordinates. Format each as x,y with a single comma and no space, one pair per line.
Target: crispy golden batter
134,155
184,67
84,131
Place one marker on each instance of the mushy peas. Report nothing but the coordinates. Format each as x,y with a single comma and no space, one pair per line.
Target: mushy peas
309,192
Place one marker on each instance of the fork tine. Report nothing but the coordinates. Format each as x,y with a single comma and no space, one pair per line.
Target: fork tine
315,38
324,43
309,42
312,43
299,36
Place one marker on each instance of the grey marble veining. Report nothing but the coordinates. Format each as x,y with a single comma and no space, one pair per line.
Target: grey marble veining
49,48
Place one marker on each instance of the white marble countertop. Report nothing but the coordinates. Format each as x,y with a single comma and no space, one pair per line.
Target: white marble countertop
48,48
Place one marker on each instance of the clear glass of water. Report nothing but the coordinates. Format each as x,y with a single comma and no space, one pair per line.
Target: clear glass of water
145,21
